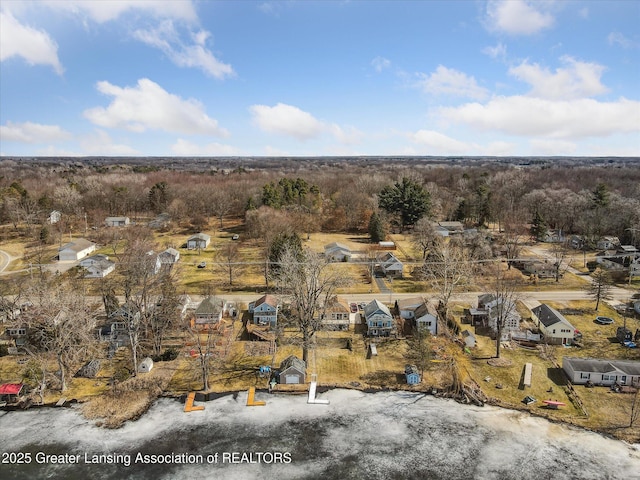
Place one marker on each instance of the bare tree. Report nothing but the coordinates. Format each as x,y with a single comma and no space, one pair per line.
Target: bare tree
560,265
600,286
419,349
61,325
310,282
504,304
229,262
446,268
204,341
165,313
425,237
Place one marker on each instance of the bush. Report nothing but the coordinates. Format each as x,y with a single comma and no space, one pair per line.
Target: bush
166,356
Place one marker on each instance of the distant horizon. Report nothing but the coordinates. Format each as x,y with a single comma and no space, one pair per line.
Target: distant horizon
495,78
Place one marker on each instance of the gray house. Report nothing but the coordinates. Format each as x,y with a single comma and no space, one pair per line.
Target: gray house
117,221
292,370
337,252
75,250
265,310
379,319
198,241
209,312
390,265
97,266
602,372
169,256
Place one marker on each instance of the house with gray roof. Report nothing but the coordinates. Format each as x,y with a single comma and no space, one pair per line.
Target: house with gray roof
601,371
75,250
337,252
169,256
292,370
209,311
97,266
554,327
117,221
390,265
198,241
379,320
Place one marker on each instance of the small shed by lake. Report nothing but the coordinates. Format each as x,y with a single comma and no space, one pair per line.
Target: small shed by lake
145,365
292,370
411,374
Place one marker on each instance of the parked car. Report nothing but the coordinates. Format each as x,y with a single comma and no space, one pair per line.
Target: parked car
235,237
353,307
202,264
604,320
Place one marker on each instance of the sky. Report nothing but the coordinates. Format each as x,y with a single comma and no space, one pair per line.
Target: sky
305,78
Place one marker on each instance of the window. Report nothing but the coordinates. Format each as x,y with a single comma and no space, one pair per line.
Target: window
585,376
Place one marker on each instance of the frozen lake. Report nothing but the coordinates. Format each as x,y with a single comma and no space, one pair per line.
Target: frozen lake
390,435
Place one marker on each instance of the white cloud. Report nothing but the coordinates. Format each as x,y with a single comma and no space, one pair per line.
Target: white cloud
517,17
186,148
105,10
167,38
552,147
380,63
497,52
34,46
439,142
286,120
100,143
346,135
149,106
617,38
528,116
29,132
447,81
576,80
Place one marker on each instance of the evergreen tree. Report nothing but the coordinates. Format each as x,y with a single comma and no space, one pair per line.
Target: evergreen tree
538,226
376,229
407,200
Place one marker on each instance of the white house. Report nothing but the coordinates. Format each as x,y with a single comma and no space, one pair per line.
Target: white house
602,372
337,252
491,309
608,243
117,221
54,217
426,318
169,256
265,310
406,307
390,265
97,266
199,240
555,328
379,319
75,250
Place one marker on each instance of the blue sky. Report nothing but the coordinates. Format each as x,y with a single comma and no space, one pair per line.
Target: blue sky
155,77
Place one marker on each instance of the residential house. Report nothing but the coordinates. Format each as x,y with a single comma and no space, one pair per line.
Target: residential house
608,243
390,266
602,372
540,269
453,228
198,241
75,250
292,370
577,242
337,252
411,374
161,221
54,217
209,312
169,256
379,320
554,327
553,236
490,310
117,221
406,307
426,318
16,335
337,315
265,310
97,266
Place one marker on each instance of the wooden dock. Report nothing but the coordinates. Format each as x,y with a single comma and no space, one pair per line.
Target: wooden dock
251,401
189,406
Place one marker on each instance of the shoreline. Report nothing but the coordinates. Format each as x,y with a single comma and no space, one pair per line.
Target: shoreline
425,390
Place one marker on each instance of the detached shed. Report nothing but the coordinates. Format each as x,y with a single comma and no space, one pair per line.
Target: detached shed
412,375
9,392
145,365
292,370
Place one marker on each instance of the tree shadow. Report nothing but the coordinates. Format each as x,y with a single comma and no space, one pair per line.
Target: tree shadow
557,376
